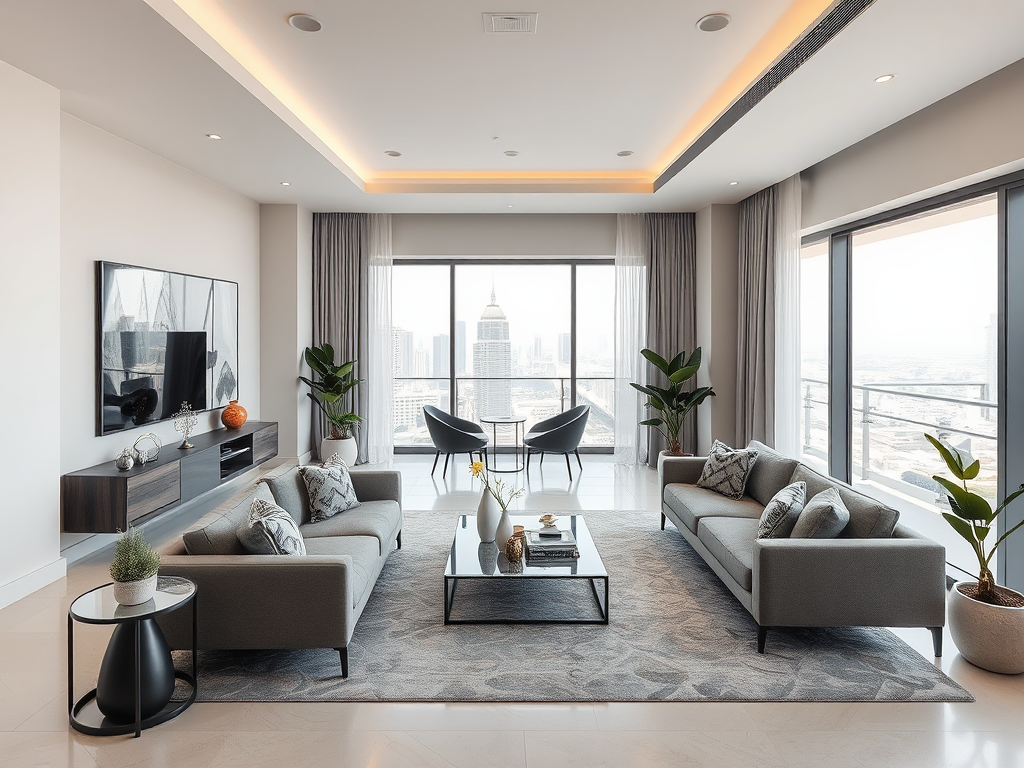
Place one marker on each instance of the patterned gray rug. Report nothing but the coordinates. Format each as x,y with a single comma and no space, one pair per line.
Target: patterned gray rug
676,634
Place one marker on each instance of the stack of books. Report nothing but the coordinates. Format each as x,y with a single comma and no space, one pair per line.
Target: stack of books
550,547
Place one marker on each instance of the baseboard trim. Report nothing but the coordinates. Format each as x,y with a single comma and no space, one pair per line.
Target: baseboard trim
30,582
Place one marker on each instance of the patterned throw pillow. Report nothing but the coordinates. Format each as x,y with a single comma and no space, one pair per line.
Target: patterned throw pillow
781,514
824,517
330,489
726,470
269,530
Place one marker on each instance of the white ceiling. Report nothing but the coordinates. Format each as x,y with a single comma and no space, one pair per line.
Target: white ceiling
425,80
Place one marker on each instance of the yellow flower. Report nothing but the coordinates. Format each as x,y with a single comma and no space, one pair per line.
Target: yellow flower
476,467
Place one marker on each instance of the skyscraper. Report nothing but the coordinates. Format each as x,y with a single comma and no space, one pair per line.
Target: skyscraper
564,348
460,348
401,352
440,361
492,359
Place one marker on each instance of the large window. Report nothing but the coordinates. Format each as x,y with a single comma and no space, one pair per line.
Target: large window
528,339
924,353
814,354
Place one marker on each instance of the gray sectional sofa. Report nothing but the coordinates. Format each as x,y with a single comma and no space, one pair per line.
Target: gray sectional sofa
876,573
278,601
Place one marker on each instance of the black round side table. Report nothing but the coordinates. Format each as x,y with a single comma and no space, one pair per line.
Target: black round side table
131,682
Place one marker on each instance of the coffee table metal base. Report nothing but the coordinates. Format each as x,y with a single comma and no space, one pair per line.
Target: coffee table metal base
600,596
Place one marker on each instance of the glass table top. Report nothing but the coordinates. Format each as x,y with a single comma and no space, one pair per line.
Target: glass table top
98,606
469,558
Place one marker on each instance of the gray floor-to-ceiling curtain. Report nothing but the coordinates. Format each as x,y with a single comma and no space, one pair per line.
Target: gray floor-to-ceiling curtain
340,277
672,306
755,363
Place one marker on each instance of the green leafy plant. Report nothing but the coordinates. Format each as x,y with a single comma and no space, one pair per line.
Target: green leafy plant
331,389
676,401
972,516
134,558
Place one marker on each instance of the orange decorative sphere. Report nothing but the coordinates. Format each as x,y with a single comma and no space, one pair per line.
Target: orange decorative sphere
234,415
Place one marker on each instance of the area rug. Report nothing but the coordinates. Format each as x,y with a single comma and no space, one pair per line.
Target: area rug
676,634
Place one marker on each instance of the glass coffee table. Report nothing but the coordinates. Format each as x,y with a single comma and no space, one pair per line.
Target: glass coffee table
470,559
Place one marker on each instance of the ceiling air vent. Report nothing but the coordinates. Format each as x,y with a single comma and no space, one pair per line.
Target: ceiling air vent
510,23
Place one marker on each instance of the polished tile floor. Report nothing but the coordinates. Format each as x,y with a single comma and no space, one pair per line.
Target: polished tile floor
33,701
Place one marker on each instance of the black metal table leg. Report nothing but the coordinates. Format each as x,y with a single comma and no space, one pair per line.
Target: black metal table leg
71,663
138,679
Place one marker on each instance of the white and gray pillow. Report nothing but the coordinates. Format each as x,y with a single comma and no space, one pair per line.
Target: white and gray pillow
330,489
270,530
824,517
726,470
782,511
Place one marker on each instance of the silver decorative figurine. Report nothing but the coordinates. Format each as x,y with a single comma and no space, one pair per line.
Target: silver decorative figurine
124,460
143,455
185,421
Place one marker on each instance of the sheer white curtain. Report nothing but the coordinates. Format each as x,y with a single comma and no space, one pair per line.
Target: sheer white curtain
787,317
380,438
630,335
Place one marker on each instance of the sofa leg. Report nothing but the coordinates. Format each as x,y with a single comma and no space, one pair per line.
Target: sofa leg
937,641
762,635
399,539
663,521
344,660
434,468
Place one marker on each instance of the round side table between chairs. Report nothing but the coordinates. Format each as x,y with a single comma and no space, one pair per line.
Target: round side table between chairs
517,445
136,681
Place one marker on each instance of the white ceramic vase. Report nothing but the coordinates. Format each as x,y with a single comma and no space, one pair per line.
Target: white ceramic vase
134,592
504,530
988,636
345,447
488,514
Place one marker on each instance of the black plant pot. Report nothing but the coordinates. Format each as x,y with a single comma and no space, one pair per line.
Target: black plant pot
115,689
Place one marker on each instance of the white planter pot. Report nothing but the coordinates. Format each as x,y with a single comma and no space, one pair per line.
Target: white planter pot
988,636
134,592
346,448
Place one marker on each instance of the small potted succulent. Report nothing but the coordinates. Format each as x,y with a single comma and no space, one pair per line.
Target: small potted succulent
330,391
134,568
985,620
673,403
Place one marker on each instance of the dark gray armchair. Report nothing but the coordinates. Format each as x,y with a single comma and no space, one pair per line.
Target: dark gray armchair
450,434
559,434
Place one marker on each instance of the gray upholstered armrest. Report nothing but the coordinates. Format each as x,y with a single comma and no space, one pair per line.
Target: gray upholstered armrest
377,484
680,469
896,582
263,601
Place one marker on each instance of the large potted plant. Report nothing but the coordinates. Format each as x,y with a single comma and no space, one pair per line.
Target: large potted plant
674,402
985,620
330,387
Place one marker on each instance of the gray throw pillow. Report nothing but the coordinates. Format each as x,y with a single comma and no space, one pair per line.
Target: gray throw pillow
726,470
330,489
824,517
782,512
269,530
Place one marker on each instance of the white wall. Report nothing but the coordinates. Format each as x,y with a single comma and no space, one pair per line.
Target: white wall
30,315
717,319
121,203
286,323
512,234
971,135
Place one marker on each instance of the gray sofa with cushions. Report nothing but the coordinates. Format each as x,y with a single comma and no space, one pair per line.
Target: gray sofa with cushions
279,601
876,573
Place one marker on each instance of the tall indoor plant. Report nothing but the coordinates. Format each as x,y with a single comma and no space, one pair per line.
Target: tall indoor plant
330,387
986,620
674,402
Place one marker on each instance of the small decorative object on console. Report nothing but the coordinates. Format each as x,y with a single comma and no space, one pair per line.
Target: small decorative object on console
234,415
124,460
144,455
134,568
185,421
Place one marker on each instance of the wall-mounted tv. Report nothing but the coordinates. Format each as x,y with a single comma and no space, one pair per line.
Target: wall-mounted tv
163,338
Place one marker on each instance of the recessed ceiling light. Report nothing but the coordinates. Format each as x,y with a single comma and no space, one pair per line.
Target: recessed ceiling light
511,153
624,153
305,23
216,136
286,183
392,153
733,183
713,22
884,78
510,206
